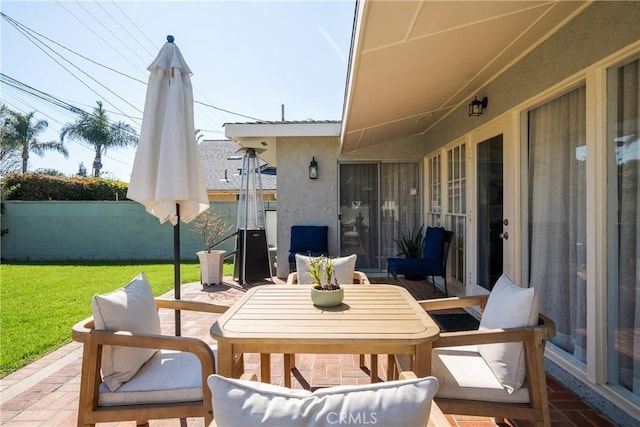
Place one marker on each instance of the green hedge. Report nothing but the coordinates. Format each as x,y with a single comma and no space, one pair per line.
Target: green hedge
46,187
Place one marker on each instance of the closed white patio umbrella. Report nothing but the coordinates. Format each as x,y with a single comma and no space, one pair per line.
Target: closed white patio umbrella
167,174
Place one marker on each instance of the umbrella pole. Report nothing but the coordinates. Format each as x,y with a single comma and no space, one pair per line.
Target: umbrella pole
176,266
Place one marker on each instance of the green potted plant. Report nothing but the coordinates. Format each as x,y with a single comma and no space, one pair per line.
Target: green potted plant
326,292
411,245
211,227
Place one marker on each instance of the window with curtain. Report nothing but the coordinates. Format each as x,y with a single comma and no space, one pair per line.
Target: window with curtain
623,96
457,209
557,216
434,210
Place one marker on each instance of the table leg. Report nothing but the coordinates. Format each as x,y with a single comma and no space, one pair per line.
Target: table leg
391,367
422,360
288,362
265,367
374,368
225,359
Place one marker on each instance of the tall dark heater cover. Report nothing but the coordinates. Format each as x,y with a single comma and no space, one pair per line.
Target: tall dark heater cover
252,251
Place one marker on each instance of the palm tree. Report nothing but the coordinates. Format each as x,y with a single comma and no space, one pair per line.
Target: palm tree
20,132
96,129
9,154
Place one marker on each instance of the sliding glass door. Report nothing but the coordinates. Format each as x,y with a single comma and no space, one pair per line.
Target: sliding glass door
378,201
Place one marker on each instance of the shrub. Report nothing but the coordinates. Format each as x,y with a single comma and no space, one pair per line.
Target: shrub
33,187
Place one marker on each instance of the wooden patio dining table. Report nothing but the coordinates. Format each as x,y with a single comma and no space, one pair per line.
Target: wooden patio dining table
373,319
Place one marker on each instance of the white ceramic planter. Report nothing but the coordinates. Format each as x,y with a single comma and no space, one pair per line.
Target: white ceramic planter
211,267
327,298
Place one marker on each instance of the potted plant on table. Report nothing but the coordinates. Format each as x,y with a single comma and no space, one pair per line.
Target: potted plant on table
326,292
211,227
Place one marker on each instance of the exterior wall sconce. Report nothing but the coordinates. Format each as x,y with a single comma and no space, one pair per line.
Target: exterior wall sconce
476,107
313,169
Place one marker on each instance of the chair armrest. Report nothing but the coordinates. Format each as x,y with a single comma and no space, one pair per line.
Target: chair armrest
361,278
201,306
165,342
494,336
292,278
454,302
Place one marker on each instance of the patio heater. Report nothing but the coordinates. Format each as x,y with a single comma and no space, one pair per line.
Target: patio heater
252,251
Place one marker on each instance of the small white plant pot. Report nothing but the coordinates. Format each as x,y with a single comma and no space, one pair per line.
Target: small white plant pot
211,267
331,298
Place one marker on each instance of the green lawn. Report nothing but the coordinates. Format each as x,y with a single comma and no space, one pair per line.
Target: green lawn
41,301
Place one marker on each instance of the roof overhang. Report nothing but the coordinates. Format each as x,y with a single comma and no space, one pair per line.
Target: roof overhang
413,62
264,135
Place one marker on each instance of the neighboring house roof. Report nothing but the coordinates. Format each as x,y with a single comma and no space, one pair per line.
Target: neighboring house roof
221,164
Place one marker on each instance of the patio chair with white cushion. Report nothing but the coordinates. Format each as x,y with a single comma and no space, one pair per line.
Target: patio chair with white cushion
498,369
130,371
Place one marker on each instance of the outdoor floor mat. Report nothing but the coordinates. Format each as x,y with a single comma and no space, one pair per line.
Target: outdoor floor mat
455,322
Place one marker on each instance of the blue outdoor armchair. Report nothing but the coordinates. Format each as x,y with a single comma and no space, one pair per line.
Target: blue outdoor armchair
310,240
433,263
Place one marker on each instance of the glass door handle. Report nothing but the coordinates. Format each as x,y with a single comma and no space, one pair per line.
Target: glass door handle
504,236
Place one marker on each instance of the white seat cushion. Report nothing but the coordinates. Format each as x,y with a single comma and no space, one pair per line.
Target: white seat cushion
508,306
393,403
169,376
131,309
464,374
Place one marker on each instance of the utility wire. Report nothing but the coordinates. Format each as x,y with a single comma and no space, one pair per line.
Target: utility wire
227,111
134,24
111,32
49,98
81,144
98,36
124,29
35,41
19,26
30,30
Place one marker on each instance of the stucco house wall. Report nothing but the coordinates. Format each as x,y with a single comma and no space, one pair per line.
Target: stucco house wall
304,201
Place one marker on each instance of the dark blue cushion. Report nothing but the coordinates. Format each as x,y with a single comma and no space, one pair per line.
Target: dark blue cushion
432,249
414,267
309,238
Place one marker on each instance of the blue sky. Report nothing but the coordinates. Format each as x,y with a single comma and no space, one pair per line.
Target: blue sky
246,57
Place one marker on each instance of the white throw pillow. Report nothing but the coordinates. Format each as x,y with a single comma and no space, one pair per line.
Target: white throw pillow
343,267
131,309
392,403
508,306
302,268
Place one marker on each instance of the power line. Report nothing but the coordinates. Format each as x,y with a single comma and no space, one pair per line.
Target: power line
124,29
111,32
227,111
31,30
134,24
97,35
35,41
31,107
49,98
22,28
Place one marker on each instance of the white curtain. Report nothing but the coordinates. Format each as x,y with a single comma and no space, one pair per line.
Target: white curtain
626,340
557,157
